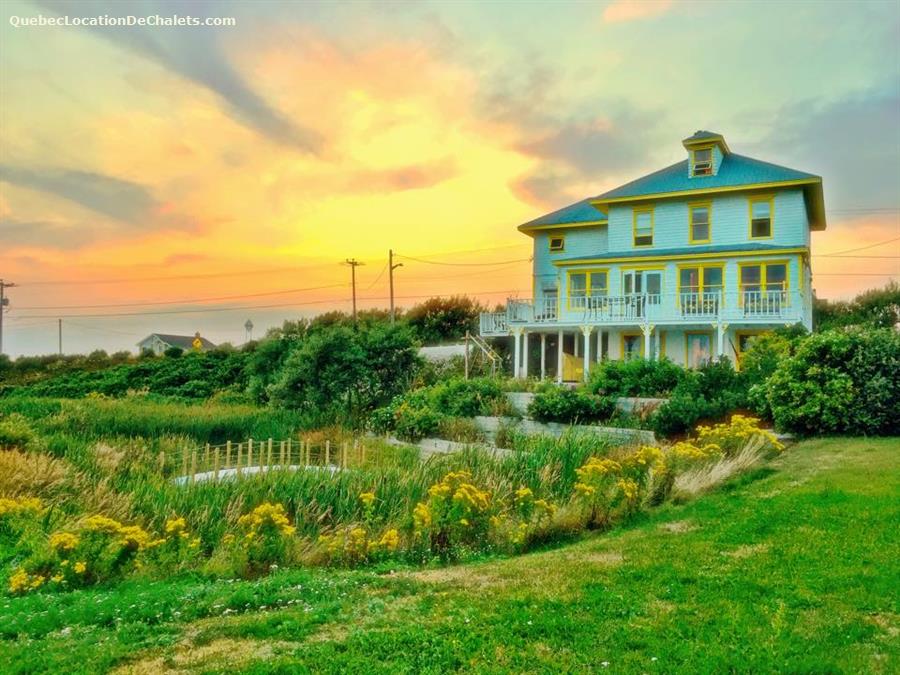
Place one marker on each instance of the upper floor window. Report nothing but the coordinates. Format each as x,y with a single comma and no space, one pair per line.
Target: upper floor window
702,164
763,277
584,285
643,226
557,243
700,223
761,214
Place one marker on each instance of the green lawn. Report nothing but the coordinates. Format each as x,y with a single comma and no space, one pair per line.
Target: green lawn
792,568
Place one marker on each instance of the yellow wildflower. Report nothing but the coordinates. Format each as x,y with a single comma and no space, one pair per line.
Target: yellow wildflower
63,541
80,567
18,582
367,498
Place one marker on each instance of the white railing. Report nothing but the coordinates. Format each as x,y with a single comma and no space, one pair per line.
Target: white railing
695,304
494,323
683,307
764,303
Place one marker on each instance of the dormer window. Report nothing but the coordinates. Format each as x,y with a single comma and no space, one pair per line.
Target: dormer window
557,243
702,162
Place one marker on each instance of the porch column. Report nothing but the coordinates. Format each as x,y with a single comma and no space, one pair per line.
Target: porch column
517,353
543,356
586,331
721,328
647,330
599,345
559,358
525,354
575,347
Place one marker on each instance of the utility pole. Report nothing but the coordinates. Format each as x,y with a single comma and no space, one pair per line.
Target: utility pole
60,336
391,268
354,263
4,303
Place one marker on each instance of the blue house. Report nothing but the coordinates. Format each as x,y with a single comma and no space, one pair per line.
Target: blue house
690,262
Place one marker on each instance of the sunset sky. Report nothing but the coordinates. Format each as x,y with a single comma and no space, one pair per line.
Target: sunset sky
148,173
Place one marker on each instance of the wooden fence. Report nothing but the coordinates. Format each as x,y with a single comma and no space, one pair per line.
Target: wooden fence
213,462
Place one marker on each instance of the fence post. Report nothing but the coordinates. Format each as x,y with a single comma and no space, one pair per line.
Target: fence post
193,466
249,453
327,453
307,452
344,446
281,458
262,456
184,456
228,454
162,461
216,464
206,459
269,459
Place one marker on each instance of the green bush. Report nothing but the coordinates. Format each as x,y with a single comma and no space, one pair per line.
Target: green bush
636,377
839,382
762,359
570,406
16,431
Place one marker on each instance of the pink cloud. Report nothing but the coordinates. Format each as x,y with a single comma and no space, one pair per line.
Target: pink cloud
633,10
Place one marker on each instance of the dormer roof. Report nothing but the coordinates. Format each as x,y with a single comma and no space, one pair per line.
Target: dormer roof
706,138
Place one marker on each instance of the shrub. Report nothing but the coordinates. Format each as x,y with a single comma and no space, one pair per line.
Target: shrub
761,360
731,436
636,377
15,430
455,513
266,535
570,406
839,382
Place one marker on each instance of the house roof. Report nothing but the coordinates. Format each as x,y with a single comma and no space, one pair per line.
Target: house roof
735,170
181,341
579,212
752,247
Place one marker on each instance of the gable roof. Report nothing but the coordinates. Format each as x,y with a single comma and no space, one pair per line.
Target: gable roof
582,212
181,341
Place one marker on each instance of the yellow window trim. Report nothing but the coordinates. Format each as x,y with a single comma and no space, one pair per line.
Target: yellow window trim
687,344
699,205
712,160
587,280
634,216
680,256
562,247
628,334
763,265
770,198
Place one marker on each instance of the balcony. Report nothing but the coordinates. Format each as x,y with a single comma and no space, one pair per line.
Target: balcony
686,308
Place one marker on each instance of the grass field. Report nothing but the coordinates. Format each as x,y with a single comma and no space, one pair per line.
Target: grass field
790,568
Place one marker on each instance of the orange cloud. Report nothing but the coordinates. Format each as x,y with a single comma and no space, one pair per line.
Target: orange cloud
633,10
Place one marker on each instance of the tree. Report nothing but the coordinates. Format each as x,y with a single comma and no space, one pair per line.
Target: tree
442,319
875,308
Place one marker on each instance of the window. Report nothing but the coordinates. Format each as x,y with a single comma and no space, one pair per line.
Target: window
643,227
700,225
557,243
702,165
761,209
698,349
584,285
759,277
700,279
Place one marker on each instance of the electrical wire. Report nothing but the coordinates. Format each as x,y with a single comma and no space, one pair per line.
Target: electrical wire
854,250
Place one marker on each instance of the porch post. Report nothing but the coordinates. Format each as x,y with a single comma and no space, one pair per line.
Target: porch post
559,358
517,353
575,347
721,328
647,330
599,345
586,330
543,355
525,354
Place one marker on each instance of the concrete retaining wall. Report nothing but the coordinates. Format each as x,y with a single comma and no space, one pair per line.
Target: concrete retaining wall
520,400
490,426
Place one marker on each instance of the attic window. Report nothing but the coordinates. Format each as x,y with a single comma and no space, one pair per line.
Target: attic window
702,165
557,243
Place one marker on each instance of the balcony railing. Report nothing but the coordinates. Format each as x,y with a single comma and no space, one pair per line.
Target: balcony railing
684,307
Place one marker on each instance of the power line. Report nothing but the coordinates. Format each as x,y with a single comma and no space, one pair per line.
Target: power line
189,300
449,264
854,250
247,307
